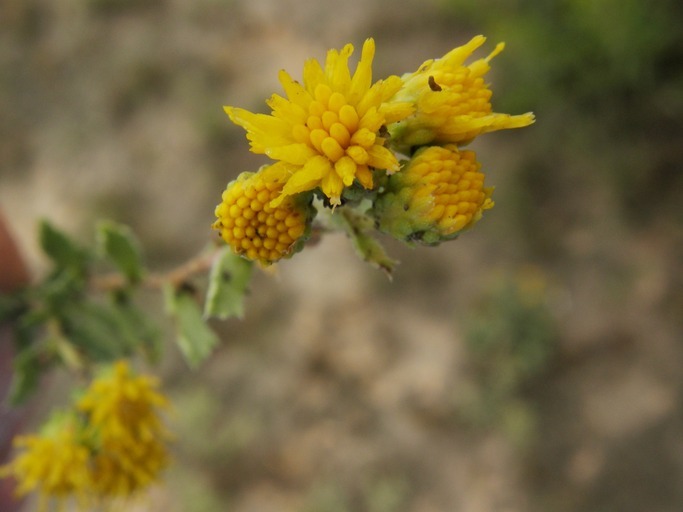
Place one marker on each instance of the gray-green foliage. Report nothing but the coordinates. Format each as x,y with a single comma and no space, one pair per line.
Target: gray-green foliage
84,310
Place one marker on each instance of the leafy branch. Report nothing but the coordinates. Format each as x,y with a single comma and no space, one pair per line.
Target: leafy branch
77,317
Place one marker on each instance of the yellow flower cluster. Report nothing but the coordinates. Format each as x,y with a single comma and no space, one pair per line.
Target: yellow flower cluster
111,446
336,135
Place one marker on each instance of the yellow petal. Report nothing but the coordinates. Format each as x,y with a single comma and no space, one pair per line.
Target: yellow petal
362,78
296,154
293,89
382,158
346,169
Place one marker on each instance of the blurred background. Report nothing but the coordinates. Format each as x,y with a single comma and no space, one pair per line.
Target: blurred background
532,365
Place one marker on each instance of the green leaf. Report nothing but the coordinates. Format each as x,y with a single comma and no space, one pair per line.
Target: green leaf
117,242
11,307
27,370
62,250
194,337
228,284
97,330
138,328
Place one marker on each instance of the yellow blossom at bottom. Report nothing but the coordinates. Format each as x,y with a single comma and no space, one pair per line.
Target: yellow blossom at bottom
122,405
122,411
109,447
125,468
254,228
55,464
436,195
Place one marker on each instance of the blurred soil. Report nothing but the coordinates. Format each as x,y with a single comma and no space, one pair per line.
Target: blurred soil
341,391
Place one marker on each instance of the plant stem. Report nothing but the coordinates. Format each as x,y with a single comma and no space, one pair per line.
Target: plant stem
199,264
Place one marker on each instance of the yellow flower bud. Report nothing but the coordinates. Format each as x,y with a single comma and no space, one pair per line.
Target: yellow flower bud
256,229
434,197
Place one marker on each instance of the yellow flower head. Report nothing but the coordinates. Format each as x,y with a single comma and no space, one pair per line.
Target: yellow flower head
125,428
54,463
453,103
253,227
110,446
438,193
326,132
123,467
121,404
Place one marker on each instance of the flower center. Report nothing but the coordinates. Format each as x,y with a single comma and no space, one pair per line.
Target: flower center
334,129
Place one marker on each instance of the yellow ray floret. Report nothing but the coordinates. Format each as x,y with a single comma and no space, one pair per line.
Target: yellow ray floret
452,101
326,132
253,227
439,193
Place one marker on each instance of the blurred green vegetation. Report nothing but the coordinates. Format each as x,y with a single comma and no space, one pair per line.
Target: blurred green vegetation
511,337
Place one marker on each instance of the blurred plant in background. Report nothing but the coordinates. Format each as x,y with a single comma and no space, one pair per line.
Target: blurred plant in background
511,336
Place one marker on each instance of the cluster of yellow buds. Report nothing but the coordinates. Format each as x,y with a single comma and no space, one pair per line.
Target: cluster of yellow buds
111,446
342,138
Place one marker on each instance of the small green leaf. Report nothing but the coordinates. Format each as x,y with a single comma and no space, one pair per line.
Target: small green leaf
63,251
228,284
195,339
117,242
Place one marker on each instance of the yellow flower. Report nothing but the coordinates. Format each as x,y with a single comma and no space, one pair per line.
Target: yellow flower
128,436
439,193
54,463
124,466
453,103
123,405
111,446
249,223
326,132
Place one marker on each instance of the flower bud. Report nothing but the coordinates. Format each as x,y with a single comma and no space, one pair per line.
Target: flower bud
434,197
254,228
